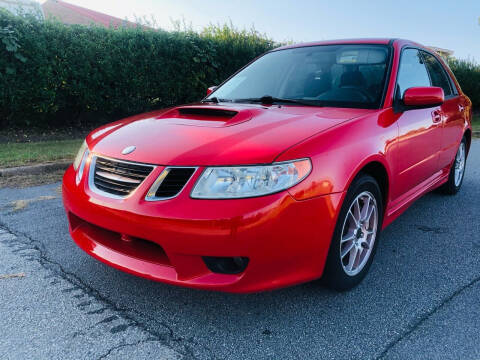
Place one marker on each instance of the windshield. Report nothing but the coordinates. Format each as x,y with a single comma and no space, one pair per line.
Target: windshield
327,75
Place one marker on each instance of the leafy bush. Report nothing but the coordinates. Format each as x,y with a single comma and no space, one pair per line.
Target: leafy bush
57,75
53,75
467,73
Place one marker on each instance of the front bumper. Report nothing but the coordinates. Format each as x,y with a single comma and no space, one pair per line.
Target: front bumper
285,240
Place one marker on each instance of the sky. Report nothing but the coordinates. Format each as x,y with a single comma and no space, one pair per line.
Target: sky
450,24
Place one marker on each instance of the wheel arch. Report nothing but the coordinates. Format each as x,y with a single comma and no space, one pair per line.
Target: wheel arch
376,168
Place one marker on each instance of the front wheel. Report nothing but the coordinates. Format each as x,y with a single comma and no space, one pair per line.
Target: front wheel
457,171
356,235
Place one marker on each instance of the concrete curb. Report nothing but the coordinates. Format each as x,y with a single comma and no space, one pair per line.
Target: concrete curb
34,169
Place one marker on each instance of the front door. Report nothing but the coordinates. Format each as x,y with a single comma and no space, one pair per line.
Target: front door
420,130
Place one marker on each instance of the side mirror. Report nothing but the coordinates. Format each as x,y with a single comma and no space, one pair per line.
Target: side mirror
423,97
211,89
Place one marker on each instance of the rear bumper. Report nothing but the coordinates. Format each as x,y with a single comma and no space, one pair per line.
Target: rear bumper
285,240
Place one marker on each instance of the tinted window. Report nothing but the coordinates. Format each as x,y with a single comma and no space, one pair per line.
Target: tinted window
437,73
330,75
412,72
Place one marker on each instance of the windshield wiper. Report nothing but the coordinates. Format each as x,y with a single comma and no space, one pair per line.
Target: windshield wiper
212,100
215,100
268,100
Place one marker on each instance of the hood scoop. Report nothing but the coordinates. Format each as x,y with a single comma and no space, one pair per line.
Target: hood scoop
205,116
207,112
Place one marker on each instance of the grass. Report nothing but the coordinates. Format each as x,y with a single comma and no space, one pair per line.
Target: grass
18,154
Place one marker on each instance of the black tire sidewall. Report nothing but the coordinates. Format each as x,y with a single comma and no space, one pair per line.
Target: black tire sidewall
334,274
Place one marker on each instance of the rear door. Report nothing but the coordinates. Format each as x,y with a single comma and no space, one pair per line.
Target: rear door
420,130
452,110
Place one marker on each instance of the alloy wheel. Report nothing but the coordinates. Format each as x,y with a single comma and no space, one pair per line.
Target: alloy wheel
460,164
358,233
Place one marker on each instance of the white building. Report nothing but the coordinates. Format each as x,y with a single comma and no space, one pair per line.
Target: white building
446,53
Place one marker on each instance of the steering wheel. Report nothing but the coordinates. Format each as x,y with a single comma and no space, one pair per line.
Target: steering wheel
362,92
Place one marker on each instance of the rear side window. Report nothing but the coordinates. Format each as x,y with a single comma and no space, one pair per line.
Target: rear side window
437,73
412,71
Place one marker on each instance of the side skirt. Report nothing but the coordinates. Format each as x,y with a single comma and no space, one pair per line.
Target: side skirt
395,209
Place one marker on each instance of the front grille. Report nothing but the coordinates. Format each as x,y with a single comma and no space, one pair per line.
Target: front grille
170,183
174,182
119,178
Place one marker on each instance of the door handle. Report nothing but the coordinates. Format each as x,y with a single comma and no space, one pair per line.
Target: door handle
460,108
436,116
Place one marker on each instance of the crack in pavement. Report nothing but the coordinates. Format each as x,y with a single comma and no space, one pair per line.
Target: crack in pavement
418,321
109,352
169,339
435,230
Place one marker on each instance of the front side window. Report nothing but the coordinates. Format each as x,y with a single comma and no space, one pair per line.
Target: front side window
327,75
412,72
437,73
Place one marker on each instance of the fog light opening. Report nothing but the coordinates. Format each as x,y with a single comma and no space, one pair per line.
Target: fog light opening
226,265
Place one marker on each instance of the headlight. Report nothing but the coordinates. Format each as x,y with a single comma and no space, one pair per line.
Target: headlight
80,161
250,181
79,156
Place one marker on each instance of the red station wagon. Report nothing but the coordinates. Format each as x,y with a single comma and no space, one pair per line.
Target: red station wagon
285,173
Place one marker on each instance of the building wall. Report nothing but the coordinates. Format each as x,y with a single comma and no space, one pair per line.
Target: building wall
72,14
65,15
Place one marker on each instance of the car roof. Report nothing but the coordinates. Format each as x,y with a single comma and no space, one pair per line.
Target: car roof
375,41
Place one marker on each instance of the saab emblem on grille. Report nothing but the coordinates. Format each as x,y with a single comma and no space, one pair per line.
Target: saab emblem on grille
128,150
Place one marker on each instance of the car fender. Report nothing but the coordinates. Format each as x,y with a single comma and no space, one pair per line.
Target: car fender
339,154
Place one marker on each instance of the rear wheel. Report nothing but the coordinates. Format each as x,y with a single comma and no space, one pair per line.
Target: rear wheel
457,171
356,235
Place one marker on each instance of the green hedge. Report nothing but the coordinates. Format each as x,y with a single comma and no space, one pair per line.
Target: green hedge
467,73
57,75
54,75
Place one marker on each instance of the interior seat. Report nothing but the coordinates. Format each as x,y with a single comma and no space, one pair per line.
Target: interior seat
317,84
353,78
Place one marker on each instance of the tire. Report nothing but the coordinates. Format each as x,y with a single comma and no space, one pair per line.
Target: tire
341,273
455,179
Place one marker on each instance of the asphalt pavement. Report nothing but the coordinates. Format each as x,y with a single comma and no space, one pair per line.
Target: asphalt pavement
421,299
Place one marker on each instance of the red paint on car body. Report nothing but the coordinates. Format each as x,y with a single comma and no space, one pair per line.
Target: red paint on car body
418,96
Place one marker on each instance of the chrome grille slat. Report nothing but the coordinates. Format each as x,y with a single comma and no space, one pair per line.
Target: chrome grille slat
114,182
126,165
116,178
112,189
122,169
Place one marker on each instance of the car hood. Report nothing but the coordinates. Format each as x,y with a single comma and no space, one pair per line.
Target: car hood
218,134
